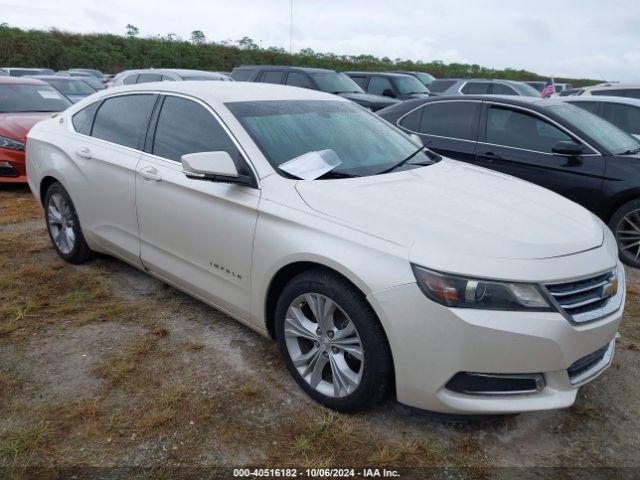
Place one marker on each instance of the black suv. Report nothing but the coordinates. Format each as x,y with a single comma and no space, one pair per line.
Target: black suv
321,79
394,85
545,141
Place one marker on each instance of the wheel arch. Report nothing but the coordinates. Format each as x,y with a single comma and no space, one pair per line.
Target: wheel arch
45,183
620,200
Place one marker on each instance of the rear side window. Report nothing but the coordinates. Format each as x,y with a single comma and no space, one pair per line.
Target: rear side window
167,78
502,89
520,130
439,86
588,106
130,80
124,120
83,120
451,119
380,86
362,81
411,121
272,77
616,92
185,127
475,88
625,117
149,77
296,79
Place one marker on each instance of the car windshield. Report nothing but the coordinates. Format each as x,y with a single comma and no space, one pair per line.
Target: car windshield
408,84
606,134
335,82
283,130
31,98
525,89
538,86
71,87
95,84
425,78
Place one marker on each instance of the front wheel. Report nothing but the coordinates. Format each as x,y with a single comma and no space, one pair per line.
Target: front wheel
625,224
332,341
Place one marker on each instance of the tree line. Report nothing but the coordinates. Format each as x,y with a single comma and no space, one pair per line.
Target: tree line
60,50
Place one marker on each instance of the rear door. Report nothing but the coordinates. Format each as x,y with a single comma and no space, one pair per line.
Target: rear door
448,127
519,142
194,233
107,148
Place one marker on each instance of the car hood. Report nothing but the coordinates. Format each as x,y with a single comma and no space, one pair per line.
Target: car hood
17,125
453,208
367,99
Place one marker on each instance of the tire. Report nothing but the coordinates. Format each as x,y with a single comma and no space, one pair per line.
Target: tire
625,225
327,365
63,226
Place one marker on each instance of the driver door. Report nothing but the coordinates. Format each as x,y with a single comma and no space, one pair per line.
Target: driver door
519,142
196,234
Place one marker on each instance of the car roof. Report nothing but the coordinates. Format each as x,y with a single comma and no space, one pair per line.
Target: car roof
178,71
284,67
615,86
216,92
603,98
21,81
386,74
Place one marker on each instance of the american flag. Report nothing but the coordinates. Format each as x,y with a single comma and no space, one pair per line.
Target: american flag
549,89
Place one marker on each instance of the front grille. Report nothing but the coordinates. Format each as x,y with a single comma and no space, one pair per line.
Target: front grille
585,363
590,298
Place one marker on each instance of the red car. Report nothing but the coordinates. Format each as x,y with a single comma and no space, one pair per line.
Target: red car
23,103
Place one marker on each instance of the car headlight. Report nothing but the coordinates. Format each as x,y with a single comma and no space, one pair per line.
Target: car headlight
461,292
11,144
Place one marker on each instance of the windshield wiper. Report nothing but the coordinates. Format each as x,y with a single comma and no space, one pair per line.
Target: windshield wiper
336,174
401,162
630,151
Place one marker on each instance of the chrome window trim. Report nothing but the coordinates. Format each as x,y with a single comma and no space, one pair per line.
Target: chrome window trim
187,97
544,118
426,104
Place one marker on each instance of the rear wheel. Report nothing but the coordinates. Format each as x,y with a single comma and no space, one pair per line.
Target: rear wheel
332,341
625,224
64,227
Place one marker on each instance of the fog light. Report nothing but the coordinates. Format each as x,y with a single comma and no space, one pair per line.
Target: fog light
495,383
7,170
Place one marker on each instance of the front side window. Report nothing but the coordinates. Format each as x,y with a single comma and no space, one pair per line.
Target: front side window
83,120
475,88
456,119
124,120
603,132
186,127
512,128
296,79
149,77
272,77
623,116
16,98
284,130
409,85
380,86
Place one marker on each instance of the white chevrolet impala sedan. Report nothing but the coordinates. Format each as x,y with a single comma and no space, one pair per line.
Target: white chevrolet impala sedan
374,263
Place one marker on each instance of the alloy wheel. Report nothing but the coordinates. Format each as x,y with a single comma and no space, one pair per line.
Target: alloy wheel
628,235
61,223
324,345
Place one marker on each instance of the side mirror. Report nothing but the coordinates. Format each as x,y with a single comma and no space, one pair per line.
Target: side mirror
567,148
387,92
213,166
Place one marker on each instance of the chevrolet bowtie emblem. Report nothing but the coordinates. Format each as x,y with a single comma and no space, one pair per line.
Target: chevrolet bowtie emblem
611,289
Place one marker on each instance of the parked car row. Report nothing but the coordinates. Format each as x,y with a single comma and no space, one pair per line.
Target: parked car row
375,263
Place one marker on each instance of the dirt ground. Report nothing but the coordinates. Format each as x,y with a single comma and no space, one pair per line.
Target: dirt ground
103,366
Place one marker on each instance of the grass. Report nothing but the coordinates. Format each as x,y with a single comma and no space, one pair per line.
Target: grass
22,445
18,205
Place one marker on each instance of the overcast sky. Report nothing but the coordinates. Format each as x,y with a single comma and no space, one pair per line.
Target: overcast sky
576,38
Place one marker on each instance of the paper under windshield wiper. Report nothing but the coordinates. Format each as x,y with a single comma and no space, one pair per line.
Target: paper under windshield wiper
630,151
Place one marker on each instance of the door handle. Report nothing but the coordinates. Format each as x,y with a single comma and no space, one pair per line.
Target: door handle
84,152
150,174
489,156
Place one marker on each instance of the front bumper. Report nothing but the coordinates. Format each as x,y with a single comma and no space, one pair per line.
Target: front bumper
431,343
15,171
